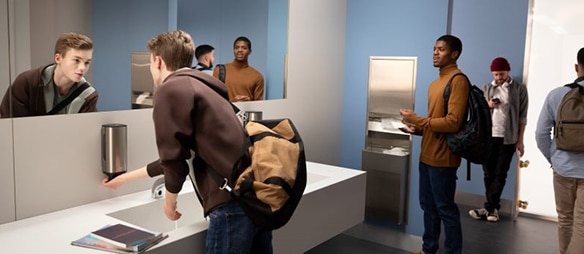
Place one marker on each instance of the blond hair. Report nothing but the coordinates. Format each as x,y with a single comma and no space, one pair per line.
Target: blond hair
176,48
68,41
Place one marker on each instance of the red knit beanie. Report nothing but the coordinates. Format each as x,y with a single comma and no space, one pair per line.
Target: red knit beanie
500,64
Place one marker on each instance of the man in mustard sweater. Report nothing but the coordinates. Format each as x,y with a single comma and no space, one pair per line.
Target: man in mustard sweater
438,165
244,82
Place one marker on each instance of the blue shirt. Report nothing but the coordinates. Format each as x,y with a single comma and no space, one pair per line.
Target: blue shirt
566,164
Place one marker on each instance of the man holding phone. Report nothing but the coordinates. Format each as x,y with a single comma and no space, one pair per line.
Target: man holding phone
508,101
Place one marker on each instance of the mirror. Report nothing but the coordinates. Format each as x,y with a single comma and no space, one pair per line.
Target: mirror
119,28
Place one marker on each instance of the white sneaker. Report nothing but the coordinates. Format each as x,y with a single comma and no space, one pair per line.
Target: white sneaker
478,214
494,216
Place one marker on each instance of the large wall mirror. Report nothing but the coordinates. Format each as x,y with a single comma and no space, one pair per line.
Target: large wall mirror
120,28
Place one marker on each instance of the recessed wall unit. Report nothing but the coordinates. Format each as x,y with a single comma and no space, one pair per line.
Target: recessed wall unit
386,156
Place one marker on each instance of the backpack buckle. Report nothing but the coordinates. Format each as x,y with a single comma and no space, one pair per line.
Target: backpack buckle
225,186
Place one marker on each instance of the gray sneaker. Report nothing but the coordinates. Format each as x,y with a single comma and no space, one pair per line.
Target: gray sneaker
493,216
478,214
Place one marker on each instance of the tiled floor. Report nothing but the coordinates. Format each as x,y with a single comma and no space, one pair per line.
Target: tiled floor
526,235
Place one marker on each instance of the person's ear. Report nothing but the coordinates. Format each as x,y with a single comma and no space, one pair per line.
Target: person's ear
158,62
58,57
455,54
577,68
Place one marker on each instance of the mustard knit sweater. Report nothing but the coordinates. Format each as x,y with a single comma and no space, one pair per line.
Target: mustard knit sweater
434,151
242,79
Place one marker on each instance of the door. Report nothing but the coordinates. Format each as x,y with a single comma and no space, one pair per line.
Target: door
556,37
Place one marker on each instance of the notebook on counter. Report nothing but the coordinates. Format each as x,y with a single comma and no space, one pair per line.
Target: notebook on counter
120,238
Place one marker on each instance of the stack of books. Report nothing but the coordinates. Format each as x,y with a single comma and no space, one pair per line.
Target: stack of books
120,238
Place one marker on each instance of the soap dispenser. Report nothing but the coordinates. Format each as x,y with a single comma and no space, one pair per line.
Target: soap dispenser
113,149
251,116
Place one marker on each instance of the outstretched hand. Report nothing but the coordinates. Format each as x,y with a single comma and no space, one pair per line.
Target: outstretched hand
242,98
125,177
114,183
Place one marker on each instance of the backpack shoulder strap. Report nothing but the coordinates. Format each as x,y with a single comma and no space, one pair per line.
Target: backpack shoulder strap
576,85
69,99
447,90
222,73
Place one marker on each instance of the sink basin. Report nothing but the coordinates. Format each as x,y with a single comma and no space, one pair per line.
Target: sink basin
151,215
312,178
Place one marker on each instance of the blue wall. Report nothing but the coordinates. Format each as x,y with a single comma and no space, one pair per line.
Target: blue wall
127,28
212,22
123,27
219,23
410,28
489,29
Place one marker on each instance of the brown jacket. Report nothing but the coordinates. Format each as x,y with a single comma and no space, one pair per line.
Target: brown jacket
191,112
28,98
435,152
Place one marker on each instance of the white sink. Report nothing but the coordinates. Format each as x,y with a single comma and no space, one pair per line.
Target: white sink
151,215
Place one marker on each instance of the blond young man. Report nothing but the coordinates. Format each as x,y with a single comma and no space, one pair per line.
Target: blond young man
38,91
192,114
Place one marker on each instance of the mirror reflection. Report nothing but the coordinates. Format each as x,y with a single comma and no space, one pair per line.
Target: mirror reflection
120,28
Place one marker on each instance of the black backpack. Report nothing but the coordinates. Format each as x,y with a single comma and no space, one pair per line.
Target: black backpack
222,73
473,141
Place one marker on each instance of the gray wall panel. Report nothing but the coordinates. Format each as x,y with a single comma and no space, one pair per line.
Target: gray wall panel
7,209
58,159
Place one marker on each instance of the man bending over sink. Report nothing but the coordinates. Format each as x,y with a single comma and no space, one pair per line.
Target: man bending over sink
192,112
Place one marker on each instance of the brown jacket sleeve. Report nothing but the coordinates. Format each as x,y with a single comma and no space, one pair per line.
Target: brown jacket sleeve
172,125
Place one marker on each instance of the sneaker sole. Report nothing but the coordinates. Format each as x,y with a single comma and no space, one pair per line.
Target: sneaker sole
492,219
474,215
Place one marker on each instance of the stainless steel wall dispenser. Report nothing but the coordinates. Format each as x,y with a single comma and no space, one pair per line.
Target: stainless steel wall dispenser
114,149
386,156
251,116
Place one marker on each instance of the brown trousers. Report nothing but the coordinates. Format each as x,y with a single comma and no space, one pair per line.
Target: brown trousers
569,193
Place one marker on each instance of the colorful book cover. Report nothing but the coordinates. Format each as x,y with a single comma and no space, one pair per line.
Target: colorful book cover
125,236
92,242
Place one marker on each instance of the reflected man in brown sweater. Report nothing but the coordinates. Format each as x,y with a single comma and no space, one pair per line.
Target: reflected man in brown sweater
244,83
438,165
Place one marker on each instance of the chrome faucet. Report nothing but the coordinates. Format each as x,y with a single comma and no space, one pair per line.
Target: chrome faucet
158,188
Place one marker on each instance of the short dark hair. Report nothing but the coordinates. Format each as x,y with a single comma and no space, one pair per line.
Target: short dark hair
580,57
202,50
453,42
244,39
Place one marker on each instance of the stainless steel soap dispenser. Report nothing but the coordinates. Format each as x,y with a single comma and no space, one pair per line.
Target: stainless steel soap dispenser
114,149
251,116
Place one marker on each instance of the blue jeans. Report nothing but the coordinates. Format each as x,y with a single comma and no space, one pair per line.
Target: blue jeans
231,231
437,188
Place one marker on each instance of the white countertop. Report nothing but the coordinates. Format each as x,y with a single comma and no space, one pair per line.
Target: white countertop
53,232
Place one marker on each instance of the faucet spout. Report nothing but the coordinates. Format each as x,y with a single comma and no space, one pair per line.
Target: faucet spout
158,188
